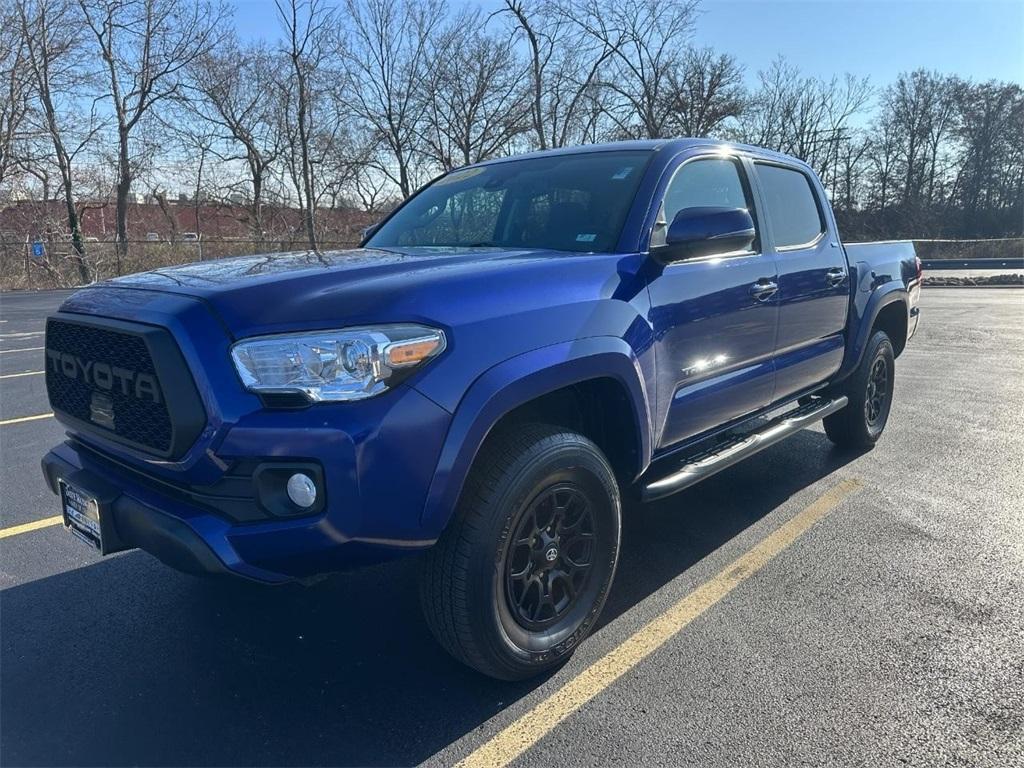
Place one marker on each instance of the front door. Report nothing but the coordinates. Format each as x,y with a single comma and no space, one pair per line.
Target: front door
714,318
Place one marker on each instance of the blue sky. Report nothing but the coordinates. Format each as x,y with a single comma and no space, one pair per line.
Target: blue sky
878,38
980,39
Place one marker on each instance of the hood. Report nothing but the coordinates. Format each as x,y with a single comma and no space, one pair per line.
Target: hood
281,292
207,278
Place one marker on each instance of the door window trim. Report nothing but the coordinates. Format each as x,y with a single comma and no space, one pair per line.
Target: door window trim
814,196
748,193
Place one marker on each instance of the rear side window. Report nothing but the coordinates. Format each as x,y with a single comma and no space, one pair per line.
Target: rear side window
791,204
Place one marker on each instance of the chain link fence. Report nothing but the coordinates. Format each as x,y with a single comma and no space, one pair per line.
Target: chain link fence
45,264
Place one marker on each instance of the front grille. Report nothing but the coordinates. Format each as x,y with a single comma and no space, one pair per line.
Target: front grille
103,375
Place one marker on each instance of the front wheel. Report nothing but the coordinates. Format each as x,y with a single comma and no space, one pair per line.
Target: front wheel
521,574
869,389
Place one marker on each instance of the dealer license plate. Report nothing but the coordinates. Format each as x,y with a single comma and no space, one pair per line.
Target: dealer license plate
81,515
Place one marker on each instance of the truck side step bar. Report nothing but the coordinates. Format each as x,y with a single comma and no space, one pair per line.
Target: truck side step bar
699,466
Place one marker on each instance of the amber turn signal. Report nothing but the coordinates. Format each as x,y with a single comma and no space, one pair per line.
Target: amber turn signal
400,354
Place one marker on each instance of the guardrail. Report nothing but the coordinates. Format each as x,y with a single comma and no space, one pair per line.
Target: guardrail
973,263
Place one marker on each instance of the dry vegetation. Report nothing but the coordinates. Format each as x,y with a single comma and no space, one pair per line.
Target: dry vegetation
356,104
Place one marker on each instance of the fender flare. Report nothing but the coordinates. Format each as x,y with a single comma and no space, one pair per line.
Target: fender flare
879,297
515,382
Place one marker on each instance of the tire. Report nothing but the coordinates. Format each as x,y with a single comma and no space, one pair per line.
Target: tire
869,389
508,590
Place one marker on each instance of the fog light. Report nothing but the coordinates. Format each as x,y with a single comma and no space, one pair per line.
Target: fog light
301,490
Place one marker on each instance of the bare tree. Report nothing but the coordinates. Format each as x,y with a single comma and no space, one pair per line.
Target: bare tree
234,88
850,171
564,69
804,116
881,158
921,107
992,135
371,190
646,40
14,103
387,58
195,150
305,24
706,90
145,45
476,103
55,58
34,158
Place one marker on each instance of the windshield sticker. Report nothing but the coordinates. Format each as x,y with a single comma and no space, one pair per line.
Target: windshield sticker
622,174
586,238
457,176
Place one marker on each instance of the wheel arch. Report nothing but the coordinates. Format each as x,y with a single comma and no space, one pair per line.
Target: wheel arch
888,308
535,385
893,319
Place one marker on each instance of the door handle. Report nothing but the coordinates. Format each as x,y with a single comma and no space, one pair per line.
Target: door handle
763,289
835,276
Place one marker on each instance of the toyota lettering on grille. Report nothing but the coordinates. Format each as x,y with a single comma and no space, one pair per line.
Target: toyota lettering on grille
143,386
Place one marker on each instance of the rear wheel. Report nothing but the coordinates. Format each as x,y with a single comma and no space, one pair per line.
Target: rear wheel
521,574
869,389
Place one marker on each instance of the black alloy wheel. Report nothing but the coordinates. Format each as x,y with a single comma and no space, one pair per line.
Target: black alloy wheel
550,557
877,397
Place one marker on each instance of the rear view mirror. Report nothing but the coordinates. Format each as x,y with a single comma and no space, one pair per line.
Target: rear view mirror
706,231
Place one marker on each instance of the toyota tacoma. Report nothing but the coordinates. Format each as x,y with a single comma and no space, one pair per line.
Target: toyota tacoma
507,356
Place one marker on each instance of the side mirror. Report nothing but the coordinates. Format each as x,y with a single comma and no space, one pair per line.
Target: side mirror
706,231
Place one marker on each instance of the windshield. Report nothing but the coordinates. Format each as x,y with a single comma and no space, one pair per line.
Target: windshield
573,202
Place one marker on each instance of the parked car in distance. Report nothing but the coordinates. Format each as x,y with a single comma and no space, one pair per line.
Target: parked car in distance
189,237
152,237
514,350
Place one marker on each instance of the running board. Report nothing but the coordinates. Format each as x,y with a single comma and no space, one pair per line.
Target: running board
703,465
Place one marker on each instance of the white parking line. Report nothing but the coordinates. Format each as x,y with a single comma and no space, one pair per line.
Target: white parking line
22,419
24,335
18,375
26,349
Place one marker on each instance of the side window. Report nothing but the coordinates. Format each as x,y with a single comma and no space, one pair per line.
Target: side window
791,204
711,182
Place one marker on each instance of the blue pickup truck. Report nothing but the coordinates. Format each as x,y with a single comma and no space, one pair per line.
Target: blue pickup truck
509,354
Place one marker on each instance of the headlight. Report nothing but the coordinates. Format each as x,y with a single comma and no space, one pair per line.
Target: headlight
347,364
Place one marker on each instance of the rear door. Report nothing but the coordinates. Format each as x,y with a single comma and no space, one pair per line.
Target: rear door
714,318
814,286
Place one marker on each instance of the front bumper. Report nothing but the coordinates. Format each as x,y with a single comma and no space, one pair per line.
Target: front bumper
129,523
378,458
192,539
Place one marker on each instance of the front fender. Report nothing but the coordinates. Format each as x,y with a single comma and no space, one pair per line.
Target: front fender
515,382
871,297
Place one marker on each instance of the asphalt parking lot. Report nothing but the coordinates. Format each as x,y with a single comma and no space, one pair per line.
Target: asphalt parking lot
888,631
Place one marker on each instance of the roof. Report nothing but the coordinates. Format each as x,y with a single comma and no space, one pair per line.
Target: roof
672,146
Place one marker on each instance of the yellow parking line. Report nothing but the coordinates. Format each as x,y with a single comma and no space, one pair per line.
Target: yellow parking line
5,422
16,375
35,525
522,734
26,349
